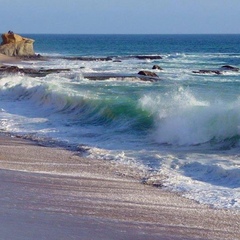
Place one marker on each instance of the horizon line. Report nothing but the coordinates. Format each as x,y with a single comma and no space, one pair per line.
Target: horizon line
134,33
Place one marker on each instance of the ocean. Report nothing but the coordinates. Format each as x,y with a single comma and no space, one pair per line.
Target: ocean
180,132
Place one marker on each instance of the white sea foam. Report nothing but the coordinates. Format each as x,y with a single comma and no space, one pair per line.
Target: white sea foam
181,119
208,178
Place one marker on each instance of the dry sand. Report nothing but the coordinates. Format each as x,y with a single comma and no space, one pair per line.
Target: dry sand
78,198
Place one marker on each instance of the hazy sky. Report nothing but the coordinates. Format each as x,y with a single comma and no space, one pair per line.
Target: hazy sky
120,16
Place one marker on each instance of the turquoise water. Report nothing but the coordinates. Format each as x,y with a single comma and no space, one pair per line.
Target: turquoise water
182,130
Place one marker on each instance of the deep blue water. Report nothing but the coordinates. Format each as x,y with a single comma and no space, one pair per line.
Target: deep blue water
107,45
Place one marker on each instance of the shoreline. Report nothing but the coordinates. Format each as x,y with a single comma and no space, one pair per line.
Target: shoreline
50,192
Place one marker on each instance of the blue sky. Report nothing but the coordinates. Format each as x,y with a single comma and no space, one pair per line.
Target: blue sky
120,16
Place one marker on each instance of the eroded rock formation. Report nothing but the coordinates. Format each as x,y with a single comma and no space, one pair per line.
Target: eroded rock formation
16,45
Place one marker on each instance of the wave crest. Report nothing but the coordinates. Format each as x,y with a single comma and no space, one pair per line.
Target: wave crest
182,119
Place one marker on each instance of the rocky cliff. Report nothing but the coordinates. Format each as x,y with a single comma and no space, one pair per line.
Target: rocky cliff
16,45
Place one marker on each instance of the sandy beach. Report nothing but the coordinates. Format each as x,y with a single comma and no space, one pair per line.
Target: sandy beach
7,59
53,193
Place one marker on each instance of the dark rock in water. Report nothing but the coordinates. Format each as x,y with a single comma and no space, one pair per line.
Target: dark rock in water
218,72
157,67
29,71
37,57
113,58
229,68
89,58
107,59
148,73
106,76
151,57
9,69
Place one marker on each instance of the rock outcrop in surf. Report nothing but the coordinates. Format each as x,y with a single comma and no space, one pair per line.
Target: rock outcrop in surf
16,45
30,71
219,71
147,73
157,67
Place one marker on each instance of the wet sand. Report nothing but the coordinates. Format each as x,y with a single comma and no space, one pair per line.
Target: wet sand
7,59
52,193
